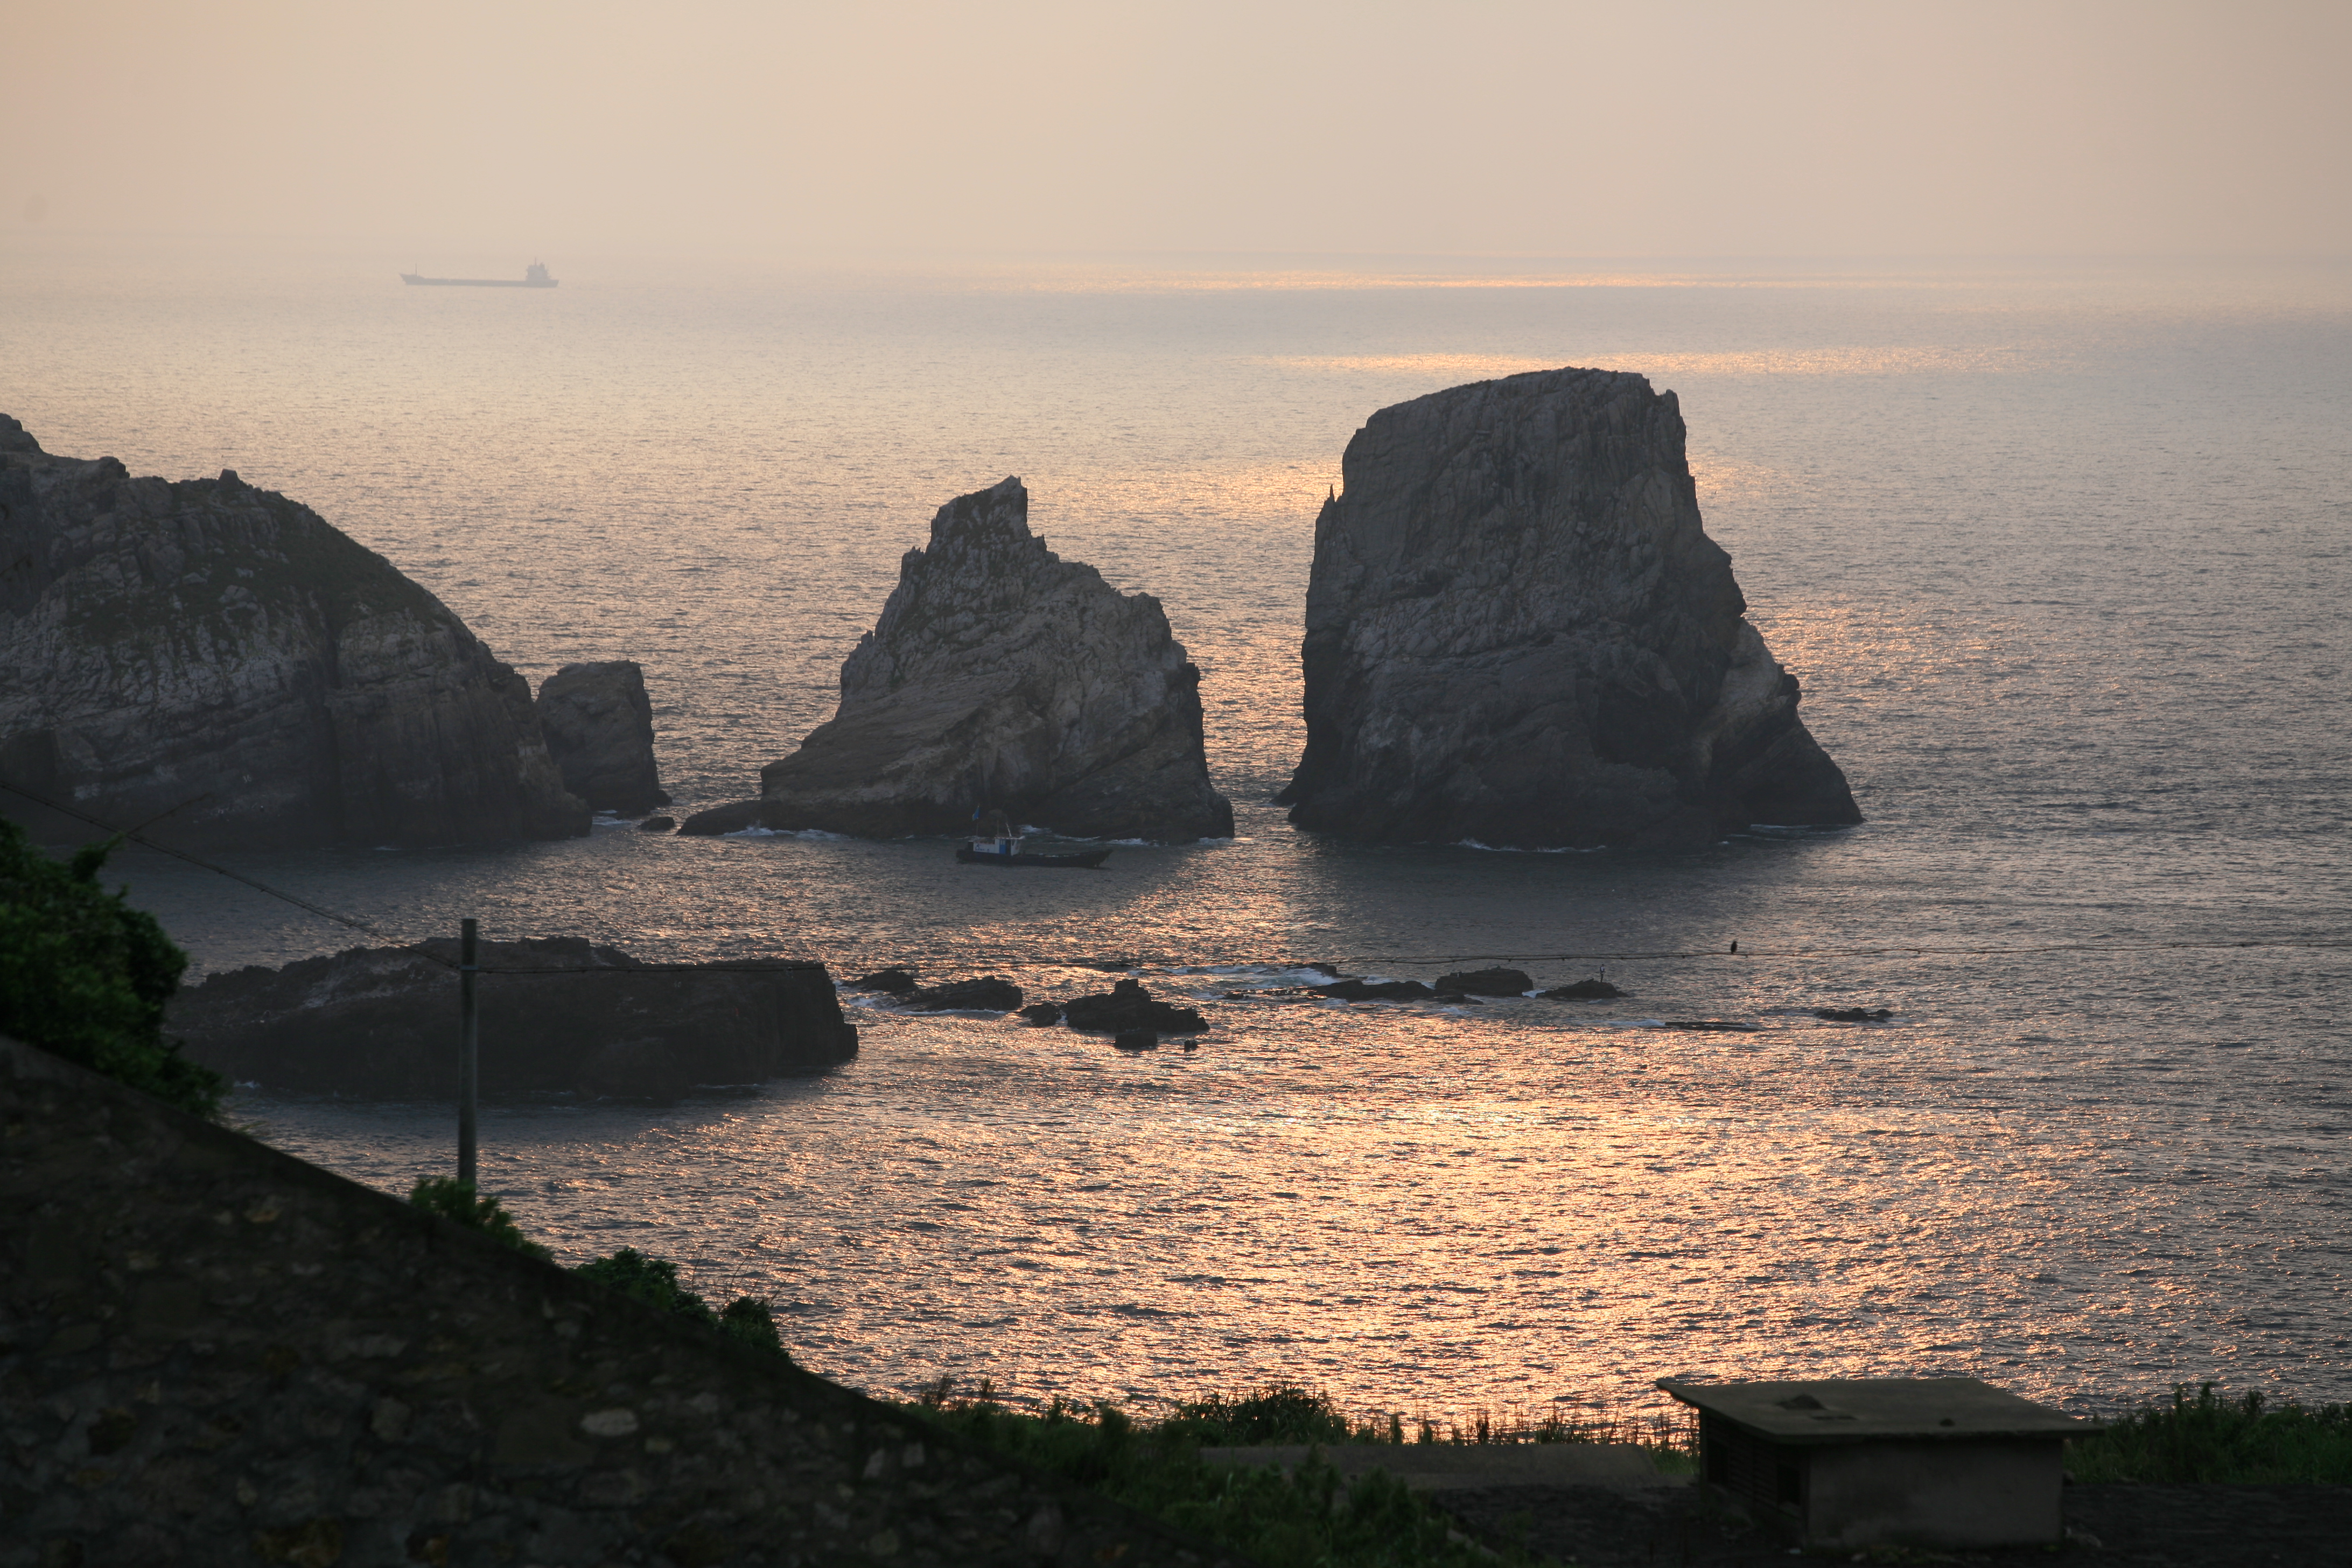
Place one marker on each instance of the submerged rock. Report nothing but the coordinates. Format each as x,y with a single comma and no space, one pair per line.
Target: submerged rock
1518,633
600,730
383,1021
1488,983
1128,1006
221,659
986,995
1042,1012
1135,1041
1375,991
658,824
1001,677
1583,990
1854,1014
893,980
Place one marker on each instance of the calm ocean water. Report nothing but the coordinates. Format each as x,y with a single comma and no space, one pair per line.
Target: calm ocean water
2061,555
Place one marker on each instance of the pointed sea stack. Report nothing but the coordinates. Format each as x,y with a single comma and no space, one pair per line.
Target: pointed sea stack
1001,677
1518,633
220,658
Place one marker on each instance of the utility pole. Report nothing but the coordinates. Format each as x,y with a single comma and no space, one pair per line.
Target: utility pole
469,1045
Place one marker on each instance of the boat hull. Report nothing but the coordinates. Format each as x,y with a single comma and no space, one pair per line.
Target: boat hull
1086,860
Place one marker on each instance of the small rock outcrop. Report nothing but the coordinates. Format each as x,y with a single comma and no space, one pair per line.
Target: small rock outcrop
1594,990
1128,1006
989,994
1488,983
1002,677
382,1021
1519,633
219,658
600,730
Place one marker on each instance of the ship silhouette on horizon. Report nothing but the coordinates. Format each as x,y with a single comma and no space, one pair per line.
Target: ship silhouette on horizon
534,277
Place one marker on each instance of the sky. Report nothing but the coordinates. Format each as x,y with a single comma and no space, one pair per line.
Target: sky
1701,128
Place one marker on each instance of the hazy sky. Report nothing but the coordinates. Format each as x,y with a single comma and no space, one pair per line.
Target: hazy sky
1565,128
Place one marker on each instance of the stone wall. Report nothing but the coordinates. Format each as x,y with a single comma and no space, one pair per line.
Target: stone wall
211,1352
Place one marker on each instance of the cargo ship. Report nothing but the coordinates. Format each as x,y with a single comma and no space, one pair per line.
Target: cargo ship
534,277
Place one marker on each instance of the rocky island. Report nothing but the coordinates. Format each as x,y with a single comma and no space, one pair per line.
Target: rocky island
1518,633
1001,677
220,658
600,730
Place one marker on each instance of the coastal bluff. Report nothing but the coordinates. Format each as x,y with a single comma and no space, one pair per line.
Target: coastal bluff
219,660
1518,634
212,1352
1001,678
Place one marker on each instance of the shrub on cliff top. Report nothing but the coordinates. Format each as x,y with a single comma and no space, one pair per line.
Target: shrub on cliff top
455,1200
84,974
654,1281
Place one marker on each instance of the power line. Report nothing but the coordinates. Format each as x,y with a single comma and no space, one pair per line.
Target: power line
768,966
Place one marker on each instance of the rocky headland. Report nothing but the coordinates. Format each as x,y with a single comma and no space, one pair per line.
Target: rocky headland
599,724
558,1015
220,657
1001,677
1518,633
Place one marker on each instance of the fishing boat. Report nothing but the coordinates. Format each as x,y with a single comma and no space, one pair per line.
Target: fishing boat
534,277
1003,848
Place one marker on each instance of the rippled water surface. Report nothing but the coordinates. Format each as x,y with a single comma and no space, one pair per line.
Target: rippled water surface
2059,556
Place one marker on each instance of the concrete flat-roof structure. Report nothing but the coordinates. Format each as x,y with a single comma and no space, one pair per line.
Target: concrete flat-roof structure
1941,1462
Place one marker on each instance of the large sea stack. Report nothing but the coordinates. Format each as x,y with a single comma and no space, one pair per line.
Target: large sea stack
1518,633
1001,678
220,657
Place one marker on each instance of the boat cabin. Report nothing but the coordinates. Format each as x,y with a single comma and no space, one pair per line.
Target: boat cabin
1003,844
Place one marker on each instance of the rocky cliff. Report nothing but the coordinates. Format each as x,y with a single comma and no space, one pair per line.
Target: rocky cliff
1519,632
557,1014
600,731
1001,676
219,653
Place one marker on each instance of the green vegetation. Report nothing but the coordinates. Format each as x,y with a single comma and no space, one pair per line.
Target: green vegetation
653,1280
2212,1437
456,1200
84,974
1311,1518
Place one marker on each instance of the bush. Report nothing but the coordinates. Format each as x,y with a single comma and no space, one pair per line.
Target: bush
1311,1518
2212,1437
84,974
654,1281
455,1200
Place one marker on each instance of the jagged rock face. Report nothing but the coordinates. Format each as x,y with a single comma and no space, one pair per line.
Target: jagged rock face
558,1014
1519,632
1001,676
600,730
220,649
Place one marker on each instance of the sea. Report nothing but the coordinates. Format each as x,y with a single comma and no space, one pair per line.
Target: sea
2058,550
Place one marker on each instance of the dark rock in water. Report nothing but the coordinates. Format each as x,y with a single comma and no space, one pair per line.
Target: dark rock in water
986,995
892,980
1854,1014
1584,990
658,824
734,817
1042,1012
1488,982
600,730
558,1014
219,658
1001,676
1136,1040
1369,990
1518,633
1330,969
1714,1026
1128,1006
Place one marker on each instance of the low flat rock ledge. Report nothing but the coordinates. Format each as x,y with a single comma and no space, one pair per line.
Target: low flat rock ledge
599,723
1001,677
214,1352
1518,634
219,660
559,1014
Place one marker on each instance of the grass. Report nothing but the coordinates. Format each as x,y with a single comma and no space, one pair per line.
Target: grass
2212,1438
1311,1517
